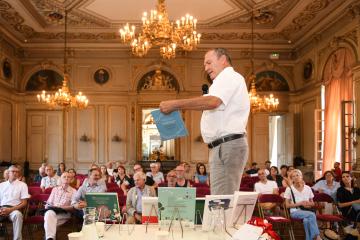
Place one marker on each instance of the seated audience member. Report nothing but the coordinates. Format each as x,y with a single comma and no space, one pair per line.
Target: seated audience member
61,168
93,184
299,198
6,175
127,185
114,175
101,181
337,171
265,186
283,171
348,197
21,176
134,197
274,176
41,174
171,178
287,181
13,198
58,206
120,176
181,181
253,170
74,182
109,168
94,165
157,176
328,186
51,180
188,173
267,167
201,176
105,175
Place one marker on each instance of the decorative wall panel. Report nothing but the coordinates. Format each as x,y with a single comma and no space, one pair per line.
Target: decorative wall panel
86,127
6,131
308,128
117,133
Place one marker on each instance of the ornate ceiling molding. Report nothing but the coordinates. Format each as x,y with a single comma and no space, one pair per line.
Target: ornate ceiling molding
268,15
13,18
305,17
295,29
76,18
233,36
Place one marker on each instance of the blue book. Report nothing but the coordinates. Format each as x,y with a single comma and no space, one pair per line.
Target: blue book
170,126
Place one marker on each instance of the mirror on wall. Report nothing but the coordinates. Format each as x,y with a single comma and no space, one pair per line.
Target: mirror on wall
150,146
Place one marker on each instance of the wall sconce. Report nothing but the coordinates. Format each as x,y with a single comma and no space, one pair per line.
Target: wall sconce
84,138
116,138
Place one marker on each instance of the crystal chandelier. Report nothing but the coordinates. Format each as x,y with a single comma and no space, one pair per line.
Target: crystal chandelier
258,103
62,98
157,30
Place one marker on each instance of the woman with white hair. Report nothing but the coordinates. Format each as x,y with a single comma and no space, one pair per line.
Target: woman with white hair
299,198
157,176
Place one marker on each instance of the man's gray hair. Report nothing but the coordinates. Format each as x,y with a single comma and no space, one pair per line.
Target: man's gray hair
222,52
140,175
13,167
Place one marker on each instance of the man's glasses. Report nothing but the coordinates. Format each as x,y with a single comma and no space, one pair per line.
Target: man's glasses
136,169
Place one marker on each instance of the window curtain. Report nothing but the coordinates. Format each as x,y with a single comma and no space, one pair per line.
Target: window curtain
338,87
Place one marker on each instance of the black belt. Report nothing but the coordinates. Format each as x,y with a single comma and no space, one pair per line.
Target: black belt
225,139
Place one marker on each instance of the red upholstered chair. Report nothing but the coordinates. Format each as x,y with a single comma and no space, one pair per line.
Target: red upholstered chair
34,190
328,218
111,185
48,190
282,190
246,189
122,200
277,220
34,184
202,191
30,221
162,184
202,185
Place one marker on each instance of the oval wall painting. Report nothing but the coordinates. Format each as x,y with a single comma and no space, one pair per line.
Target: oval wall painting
6,69
48,80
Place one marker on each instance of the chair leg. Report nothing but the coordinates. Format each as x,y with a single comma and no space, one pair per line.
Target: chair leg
291,232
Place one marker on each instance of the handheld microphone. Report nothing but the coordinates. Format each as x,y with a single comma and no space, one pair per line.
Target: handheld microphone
205,89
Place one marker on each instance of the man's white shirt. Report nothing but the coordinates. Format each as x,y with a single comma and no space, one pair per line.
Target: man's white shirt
11,193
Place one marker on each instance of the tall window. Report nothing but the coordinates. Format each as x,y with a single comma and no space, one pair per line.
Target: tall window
338,83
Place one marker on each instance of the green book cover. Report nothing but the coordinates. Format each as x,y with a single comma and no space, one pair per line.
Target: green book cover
177,203
106,204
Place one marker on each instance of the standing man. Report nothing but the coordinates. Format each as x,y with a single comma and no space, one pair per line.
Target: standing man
223,124
13,197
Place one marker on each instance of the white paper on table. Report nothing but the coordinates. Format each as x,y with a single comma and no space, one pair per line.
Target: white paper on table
248,232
